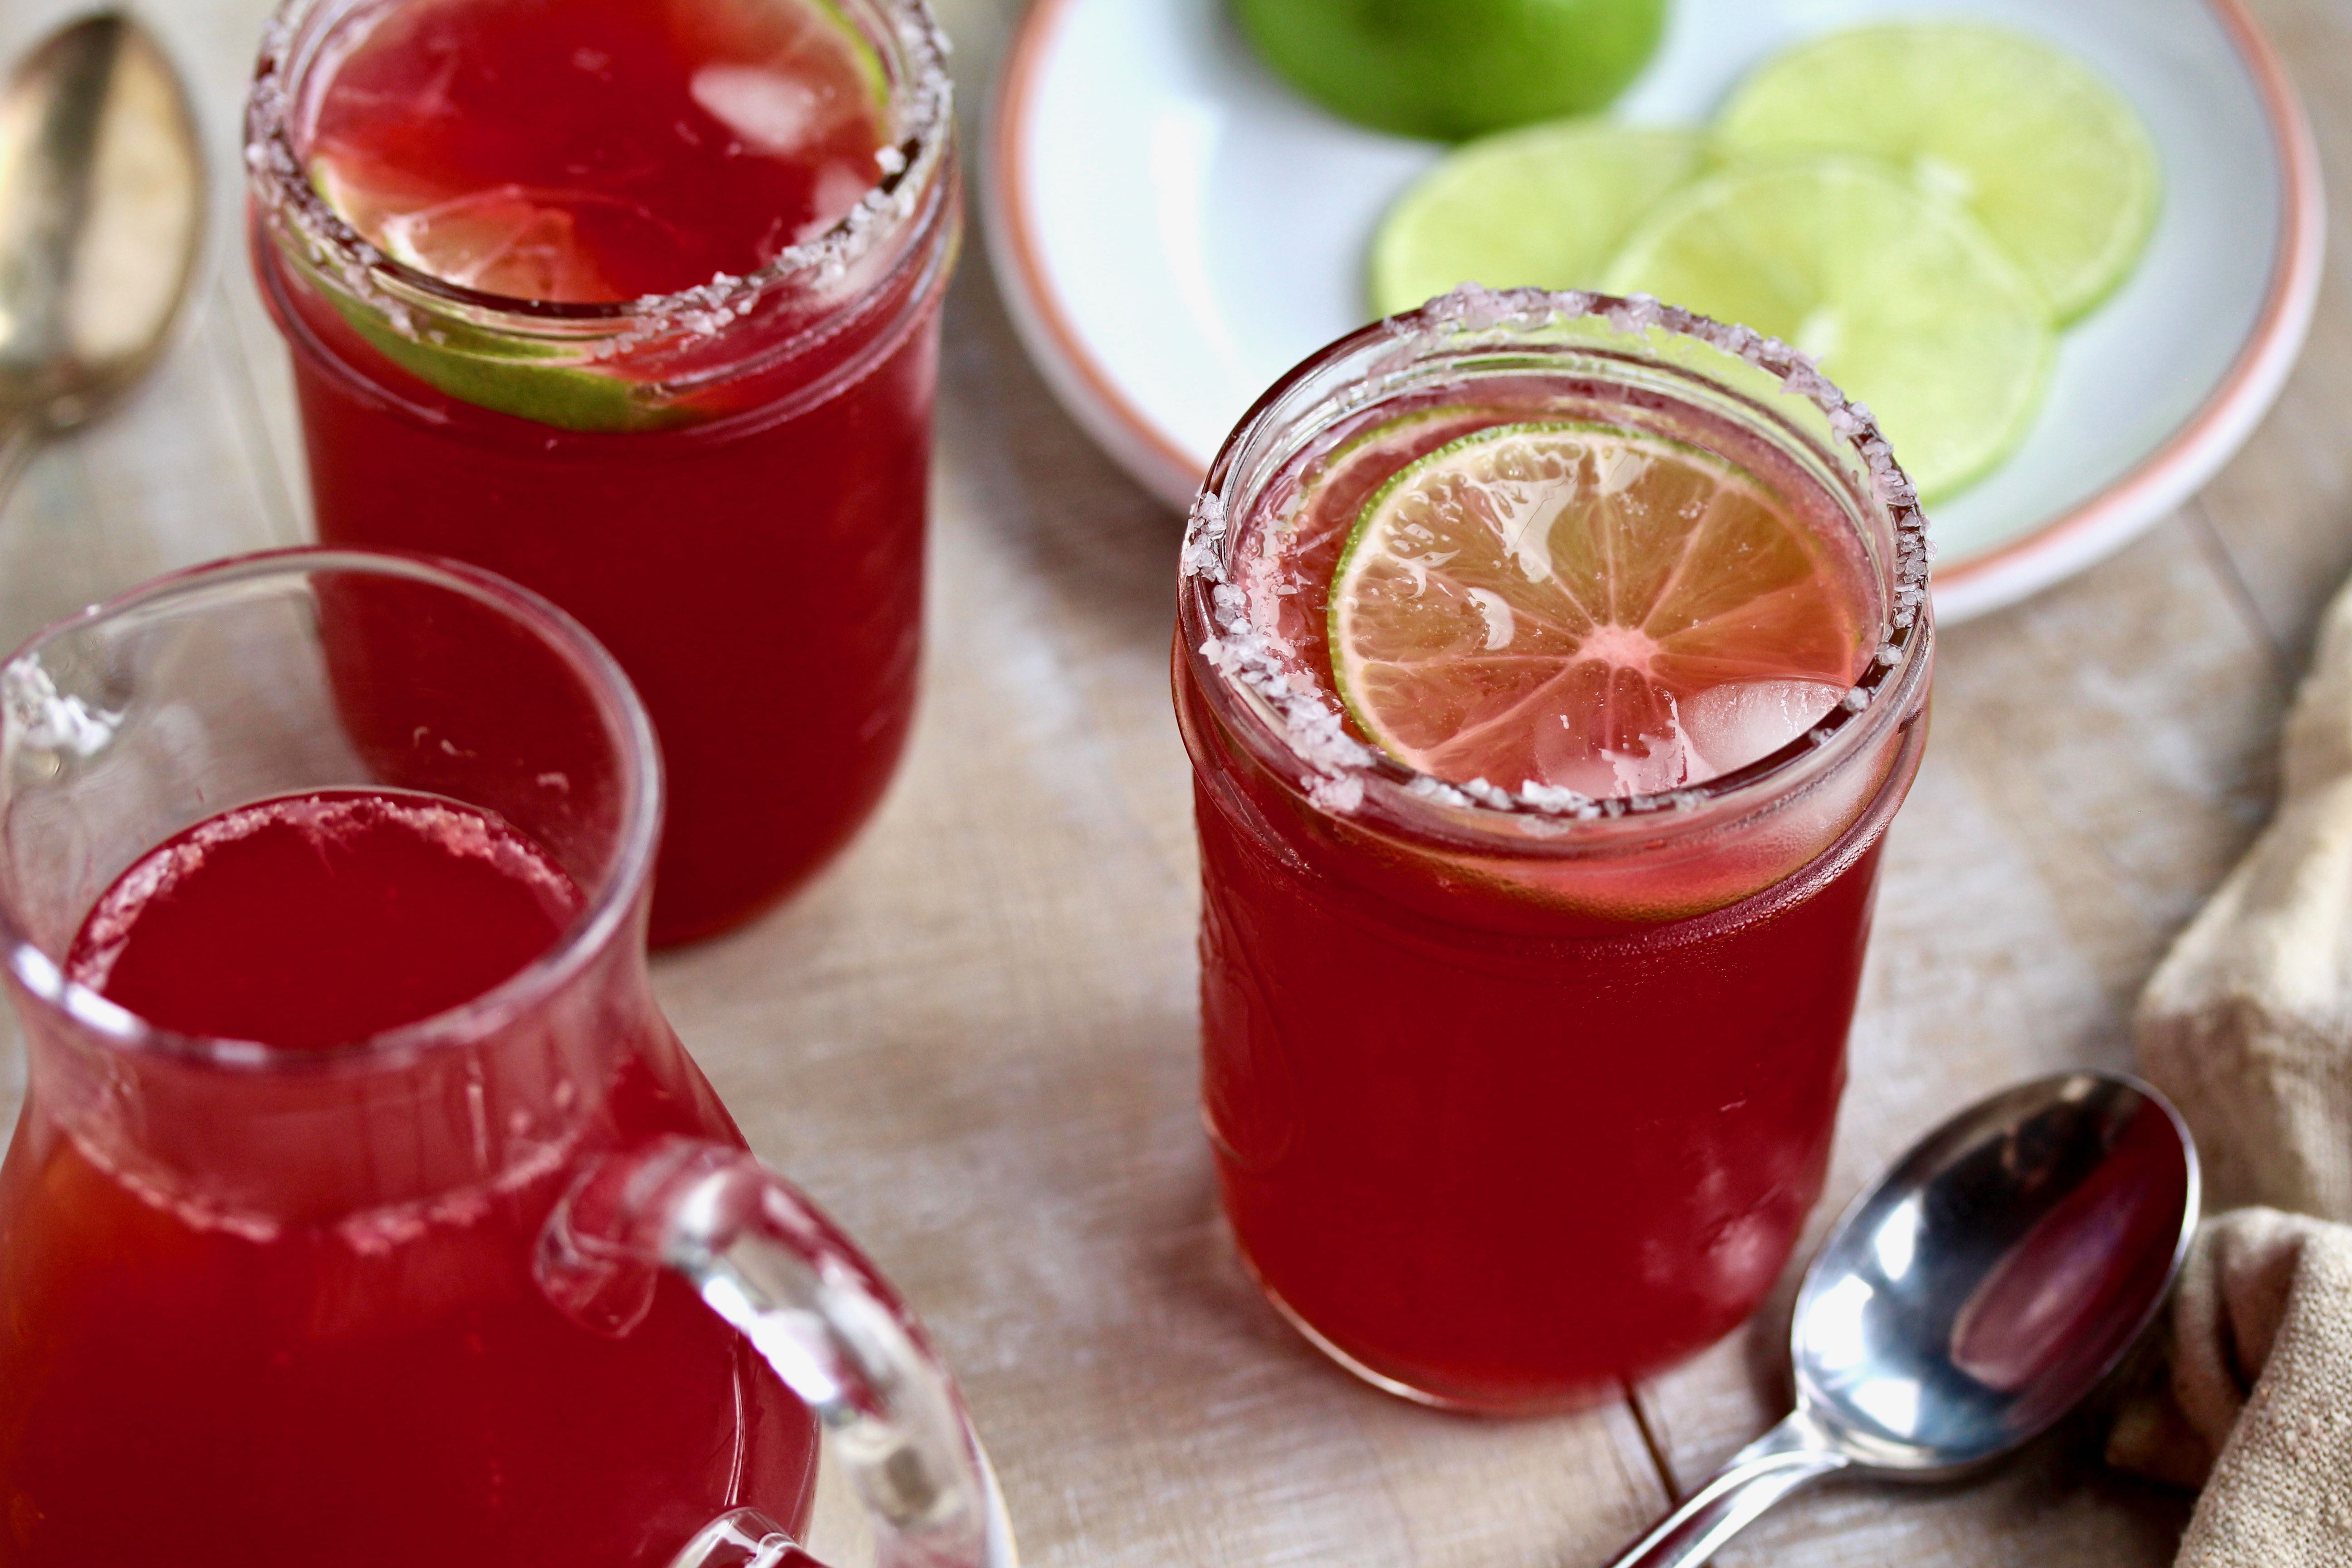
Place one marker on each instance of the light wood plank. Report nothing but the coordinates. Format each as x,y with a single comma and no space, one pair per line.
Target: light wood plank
974,1041
2283,511
164,482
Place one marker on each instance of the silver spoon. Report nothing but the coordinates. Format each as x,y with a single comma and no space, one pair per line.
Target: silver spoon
1984,1289
102,220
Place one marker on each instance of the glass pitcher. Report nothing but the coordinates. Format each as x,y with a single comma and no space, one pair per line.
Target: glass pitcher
429,1297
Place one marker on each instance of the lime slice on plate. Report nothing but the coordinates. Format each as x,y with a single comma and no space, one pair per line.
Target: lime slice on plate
2052,161
1545,207
1909,306
1585,608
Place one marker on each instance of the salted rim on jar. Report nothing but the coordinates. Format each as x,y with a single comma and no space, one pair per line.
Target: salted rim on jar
1265,674
924,94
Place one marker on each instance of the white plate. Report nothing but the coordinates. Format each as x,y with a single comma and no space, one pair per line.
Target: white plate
1174,230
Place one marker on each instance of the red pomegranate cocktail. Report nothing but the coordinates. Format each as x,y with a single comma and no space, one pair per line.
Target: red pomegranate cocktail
1551,667
361,1197
637,304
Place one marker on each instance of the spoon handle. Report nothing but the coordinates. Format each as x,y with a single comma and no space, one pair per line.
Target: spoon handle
17,439
1790,1456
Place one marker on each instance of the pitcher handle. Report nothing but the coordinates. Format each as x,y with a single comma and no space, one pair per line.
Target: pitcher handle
761,1256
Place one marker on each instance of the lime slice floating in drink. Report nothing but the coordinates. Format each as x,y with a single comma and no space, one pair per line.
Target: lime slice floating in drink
508,241
785,81
1589,609
1332,493
1315,525
501,244
1906,301
1543,207
805,41
2051,160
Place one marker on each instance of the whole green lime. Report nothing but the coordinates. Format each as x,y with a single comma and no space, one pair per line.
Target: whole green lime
1455,68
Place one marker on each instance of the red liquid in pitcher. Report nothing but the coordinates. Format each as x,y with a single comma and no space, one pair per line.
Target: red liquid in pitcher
1497,1136
380,1386
752,550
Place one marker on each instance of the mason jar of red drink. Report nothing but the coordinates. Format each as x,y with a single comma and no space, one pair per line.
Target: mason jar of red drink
637,303
1551,667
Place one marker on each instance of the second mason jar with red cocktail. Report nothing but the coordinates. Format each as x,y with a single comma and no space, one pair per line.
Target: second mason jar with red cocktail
1551,667
637,303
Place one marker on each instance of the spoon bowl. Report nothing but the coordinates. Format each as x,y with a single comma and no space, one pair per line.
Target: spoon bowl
101,224
1961,1308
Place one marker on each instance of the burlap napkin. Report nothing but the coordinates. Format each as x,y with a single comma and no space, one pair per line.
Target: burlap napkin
2248,1026
2258,1400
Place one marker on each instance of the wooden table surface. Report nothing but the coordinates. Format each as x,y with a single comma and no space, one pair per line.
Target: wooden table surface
974,1039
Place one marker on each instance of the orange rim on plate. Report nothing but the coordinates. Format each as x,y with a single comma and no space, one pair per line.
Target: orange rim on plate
2175,471
1086,388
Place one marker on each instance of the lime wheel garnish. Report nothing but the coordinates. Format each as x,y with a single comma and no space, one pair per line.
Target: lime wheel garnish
1567,611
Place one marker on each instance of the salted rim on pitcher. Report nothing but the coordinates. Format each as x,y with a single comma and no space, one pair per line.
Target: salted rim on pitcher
607,907
923,91
1343,775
